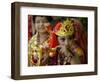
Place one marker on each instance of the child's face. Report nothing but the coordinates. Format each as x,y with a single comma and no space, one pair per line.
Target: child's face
62,40
41,24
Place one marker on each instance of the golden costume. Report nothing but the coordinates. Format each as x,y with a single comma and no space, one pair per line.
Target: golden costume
35,52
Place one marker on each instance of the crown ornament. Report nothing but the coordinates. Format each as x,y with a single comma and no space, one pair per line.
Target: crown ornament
66,28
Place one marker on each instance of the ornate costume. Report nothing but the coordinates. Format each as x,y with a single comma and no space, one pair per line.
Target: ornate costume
73,51
36,52
42,54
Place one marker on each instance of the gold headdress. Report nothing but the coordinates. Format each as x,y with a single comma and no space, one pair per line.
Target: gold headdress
66,28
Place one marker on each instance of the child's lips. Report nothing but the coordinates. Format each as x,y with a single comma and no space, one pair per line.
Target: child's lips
41,27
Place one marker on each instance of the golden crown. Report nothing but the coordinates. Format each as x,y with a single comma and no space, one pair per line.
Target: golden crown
66,28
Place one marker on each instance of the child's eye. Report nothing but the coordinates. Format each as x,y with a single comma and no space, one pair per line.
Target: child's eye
45,21
38,21
62,39
41,21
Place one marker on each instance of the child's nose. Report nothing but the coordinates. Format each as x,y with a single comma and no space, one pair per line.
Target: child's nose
41,23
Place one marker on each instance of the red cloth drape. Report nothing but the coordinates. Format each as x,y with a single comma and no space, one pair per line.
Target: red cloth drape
29,27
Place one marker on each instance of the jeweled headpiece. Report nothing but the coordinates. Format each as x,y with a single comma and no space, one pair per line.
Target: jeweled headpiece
66,28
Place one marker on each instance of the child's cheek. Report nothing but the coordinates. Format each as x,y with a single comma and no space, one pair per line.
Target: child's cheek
66,43
62,42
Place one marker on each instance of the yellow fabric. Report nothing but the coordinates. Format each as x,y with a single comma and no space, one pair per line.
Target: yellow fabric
32,47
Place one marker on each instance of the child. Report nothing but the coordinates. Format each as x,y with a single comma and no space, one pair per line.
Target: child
68,51
38,44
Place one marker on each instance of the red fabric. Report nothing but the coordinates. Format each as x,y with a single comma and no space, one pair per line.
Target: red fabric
57,26
29,27
53,41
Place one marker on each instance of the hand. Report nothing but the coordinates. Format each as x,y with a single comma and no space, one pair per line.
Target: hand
47,24
62,49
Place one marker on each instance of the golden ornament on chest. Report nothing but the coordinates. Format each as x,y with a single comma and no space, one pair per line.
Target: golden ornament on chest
52,52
